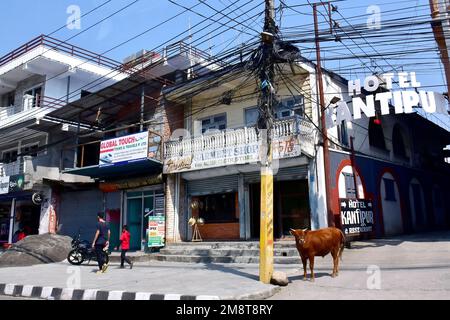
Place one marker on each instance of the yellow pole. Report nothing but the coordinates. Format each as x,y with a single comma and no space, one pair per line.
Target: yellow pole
266,236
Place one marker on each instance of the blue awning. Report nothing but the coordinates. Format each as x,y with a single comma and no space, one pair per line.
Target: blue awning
116,171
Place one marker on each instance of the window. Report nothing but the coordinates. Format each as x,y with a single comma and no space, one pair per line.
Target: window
32,98
342,133
350,189
217,122
251,117
398,143
10,98
218,208
376,135
30,150
9,156
389,188
290,107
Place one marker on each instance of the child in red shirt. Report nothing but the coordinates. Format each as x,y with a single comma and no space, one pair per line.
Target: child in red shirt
125,244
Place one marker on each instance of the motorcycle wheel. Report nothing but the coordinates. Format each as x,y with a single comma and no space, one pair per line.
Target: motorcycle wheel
75,258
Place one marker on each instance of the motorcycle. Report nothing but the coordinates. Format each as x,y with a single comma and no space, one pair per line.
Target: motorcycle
82,251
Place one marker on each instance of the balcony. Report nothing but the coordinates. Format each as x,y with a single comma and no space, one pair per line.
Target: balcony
291,138
13,168
31,107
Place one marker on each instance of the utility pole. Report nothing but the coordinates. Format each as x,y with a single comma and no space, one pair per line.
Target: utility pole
265,123
326,151
439,35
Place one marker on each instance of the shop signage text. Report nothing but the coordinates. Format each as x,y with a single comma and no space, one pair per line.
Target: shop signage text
284,147
403,101
356,216
124,150
12,184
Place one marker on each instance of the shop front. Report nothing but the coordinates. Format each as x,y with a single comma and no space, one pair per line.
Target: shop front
19,212
229,206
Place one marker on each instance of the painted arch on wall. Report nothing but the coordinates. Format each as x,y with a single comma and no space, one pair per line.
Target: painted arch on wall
342,182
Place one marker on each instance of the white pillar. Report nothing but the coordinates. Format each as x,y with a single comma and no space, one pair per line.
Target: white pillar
11,220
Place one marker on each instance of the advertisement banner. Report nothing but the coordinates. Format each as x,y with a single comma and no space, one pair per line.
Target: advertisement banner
357,216
4,185
157,224
16,183
124,149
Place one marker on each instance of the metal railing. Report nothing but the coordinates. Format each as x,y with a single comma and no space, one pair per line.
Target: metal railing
61,46
242,137
31,103
13,168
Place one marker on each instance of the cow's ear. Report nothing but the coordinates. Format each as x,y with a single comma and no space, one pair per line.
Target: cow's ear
292,231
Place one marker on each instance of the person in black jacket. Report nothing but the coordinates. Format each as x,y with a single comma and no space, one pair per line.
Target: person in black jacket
101,242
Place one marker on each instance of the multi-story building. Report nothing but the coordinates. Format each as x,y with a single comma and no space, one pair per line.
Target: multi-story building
118,146
397,163
212,166
39,77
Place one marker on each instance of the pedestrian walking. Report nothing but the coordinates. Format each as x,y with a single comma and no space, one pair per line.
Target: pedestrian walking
101,242
125,246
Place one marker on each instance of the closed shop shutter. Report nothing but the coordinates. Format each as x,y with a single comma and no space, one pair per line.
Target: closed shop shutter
213,185
293,173
79,209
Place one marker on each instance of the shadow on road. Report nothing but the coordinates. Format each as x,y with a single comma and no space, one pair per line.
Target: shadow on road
225,269
316,275
432,236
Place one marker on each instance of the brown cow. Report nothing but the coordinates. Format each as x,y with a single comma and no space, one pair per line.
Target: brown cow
319,243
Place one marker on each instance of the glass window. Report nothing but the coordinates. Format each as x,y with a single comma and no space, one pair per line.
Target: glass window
216,122
251,117
350,185
389,189
290,107
218,208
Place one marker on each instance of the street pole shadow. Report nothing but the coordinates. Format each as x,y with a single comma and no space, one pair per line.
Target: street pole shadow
224,269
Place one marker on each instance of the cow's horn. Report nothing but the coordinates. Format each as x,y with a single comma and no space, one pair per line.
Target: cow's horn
304,230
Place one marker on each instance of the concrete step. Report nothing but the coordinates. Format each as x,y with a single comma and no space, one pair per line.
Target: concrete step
222,259
282,252
230,244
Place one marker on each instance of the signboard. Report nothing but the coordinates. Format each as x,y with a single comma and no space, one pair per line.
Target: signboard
124,149
284,147
16,183
4,185
356,216
157,224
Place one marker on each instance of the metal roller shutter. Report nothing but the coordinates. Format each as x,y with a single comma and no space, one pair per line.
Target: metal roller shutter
293,173
213,185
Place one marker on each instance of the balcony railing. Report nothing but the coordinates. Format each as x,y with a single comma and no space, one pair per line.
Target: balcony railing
31,103
58,45
291,138
13,168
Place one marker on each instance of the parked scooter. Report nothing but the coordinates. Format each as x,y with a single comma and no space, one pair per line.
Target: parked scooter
82,251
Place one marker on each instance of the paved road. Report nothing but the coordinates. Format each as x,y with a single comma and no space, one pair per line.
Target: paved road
414,267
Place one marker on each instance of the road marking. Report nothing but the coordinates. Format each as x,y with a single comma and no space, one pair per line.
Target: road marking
26,291
143,296
115,295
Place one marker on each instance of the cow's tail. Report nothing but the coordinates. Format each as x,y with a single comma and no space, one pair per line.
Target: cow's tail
342,244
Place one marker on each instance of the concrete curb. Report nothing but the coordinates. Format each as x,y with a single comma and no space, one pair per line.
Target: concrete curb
51,293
